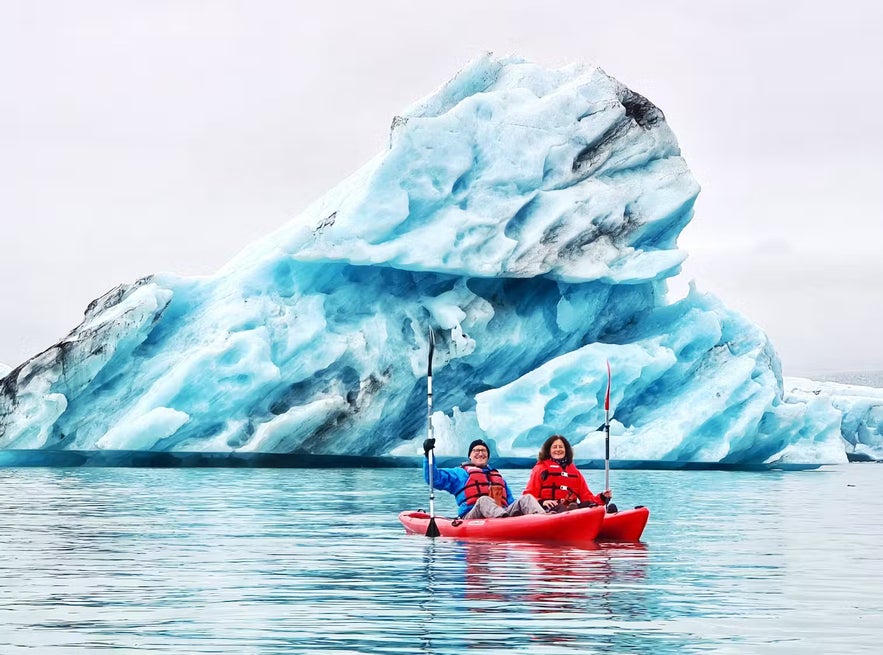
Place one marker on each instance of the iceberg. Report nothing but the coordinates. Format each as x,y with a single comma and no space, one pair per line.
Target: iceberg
860,408
530,218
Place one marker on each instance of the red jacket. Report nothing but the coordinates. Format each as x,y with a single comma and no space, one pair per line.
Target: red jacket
548,481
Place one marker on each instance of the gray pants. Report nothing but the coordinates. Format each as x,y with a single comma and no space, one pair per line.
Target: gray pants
485,508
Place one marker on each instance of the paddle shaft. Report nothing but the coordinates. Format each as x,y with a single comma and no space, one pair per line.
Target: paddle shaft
431,453
607,431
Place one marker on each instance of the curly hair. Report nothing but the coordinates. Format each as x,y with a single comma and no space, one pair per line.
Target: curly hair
546,448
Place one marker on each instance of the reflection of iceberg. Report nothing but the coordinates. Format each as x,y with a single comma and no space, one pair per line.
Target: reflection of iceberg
531,216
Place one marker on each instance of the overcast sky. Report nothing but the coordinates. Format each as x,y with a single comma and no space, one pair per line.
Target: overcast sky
151,135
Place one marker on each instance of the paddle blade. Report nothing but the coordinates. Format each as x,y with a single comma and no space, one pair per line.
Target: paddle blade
432,528
607,397
431,352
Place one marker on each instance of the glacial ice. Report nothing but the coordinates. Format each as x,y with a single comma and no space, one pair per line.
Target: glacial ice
530,218
860,409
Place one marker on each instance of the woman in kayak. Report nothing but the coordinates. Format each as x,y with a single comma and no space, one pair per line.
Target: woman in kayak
557,483
480,491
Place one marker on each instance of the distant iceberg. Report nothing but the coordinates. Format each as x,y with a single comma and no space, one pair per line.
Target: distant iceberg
860,409
530,217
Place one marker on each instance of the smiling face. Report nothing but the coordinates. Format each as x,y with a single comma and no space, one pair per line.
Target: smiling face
557,449
479,456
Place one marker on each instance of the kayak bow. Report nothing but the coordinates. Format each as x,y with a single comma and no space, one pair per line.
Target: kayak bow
625,525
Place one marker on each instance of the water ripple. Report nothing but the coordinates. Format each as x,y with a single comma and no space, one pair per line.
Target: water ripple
264,561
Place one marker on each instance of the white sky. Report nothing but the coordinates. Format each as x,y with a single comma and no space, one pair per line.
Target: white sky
166,135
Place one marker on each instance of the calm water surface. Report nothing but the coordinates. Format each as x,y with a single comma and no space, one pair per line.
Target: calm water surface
261,561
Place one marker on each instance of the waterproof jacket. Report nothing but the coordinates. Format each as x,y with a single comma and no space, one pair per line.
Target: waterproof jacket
550,481
453,480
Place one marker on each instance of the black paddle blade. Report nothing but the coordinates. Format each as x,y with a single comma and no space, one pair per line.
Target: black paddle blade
431,351
432,529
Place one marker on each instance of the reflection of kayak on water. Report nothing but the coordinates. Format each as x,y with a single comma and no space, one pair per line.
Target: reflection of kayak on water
547,568
583,524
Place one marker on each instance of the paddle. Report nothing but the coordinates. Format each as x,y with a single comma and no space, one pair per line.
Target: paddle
432,528
607,431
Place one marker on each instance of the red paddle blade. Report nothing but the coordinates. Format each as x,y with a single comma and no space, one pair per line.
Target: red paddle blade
607,397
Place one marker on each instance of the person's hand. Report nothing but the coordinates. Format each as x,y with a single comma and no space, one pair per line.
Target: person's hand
549,504
428,444
606,496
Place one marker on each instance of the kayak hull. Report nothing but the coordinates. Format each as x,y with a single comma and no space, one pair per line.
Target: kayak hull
573,526
625,525
578,525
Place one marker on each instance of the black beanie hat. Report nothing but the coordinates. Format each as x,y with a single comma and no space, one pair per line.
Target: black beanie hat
478,442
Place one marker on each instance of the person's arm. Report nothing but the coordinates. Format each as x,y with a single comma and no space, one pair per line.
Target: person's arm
533,482
602,498
584,494
442,479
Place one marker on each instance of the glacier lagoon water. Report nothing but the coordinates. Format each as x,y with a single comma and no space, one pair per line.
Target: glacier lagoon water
265,561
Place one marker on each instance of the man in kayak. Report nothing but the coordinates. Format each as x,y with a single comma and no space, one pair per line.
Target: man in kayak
480,491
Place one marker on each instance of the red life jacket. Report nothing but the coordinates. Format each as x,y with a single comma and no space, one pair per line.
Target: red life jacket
483,482
558,483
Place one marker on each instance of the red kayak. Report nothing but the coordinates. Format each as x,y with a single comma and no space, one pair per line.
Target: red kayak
584,524
573,526
625,525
